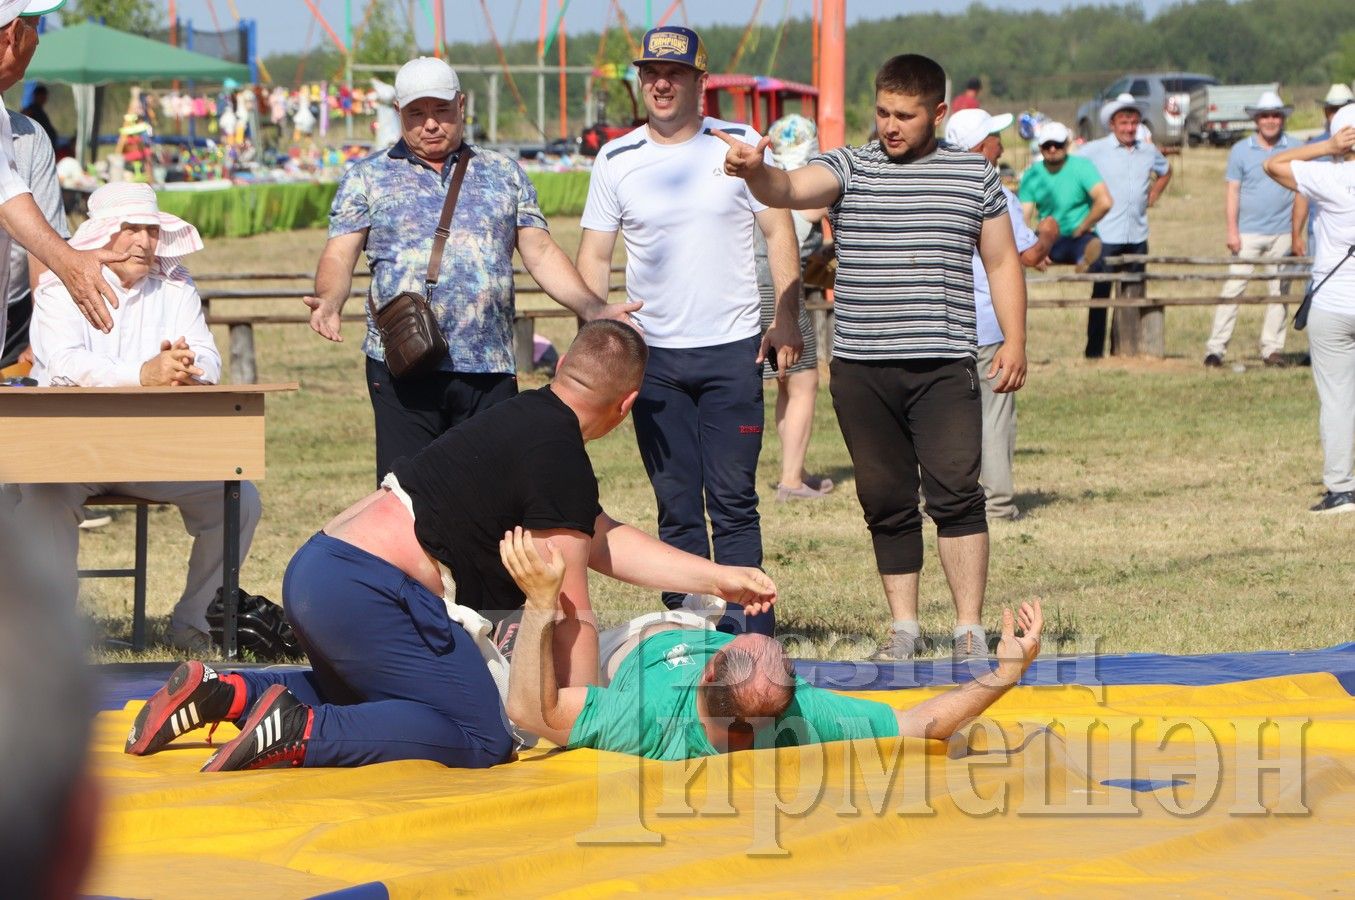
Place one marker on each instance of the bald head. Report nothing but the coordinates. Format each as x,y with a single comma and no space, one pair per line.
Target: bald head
606,361
749,679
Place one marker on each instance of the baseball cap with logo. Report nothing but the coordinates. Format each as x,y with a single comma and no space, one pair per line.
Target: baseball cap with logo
12,9
968,127
1053,132
426,77
673,43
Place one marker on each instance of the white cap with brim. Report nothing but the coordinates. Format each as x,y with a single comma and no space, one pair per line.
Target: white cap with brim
426,76
12,9
1269,102
1053,132
1339,95
1122,102
967,128
1344,118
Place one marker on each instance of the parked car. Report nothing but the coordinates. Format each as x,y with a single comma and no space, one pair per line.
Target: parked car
1166,99
1218,112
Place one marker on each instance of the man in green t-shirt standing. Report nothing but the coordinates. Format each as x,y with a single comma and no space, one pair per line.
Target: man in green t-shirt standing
1070,189
679,690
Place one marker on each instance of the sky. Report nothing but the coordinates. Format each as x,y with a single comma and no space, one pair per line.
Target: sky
283,24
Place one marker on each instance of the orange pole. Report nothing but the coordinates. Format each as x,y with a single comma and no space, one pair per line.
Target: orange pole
564,86
814,44
833,75
173,23
439,25
541,33
672,8
325,25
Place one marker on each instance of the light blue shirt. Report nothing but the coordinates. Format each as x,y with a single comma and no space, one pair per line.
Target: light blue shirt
1265,206
1127,172
988,330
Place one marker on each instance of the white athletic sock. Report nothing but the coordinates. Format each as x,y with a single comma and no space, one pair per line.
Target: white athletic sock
908,625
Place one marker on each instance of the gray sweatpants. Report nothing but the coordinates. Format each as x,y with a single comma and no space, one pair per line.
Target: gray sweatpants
1331,343
999,441
53,513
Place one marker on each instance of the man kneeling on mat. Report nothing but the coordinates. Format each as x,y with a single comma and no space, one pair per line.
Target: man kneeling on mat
393,601
677,689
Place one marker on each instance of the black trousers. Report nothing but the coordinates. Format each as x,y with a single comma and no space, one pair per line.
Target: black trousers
909,423
412,413
18,314
1096,318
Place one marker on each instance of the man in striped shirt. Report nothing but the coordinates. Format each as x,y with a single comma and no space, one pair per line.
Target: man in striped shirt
907,215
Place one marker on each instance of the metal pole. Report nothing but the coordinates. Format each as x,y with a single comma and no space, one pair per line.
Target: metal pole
230,570
493,107
348,60
541,96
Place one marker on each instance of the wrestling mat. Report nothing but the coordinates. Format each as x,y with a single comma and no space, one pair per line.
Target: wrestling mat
1222,774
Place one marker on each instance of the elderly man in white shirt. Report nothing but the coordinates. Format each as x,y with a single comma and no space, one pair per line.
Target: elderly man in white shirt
159,338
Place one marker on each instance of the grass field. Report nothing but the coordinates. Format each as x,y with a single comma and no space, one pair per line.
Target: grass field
1167,504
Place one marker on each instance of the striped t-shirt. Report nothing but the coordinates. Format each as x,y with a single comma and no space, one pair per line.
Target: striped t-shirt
905,235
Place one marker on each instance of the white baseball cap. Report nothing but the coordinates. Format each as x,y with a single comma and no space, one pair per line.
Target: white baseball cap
12,9
1344,118
1053,131
426,76
968,127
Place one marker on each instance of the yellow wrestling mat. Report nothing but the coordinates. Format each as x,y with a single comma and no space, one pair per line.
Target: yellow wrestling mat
1238,788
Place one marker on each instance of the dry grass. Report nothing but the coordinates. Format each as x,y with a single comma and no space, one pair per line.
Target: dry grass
1167,503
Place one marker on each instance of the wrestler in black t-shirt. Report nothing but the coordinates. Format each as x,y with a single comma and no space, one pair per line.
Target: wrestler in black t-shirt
520,462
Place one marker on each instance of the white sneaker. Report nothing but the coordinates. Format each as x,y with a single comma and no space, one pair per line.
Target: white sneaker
189,639
95,522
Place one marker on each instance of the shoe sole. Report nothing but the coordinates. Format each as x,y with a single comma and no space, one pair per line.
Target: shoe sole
263,708
166,702
1335,510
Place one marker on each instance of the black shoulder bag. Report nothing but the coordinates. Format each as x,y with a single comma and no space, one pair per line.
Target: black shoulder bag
1301,315
409,330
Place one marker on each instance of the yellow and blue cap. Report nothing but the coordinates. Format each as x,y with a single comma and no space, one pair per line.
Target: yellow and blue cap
673,43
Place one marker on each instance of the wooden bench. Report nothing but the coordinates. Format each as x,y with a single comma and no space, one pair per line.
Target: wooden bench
138,570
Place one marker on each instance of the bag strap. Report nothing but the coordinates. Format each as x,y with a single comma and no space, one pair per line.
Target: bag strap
443,230
1334,269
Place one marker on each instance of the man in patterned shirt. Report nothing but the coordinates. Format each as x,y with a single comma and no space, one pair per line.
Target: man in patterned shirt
389,204
908,214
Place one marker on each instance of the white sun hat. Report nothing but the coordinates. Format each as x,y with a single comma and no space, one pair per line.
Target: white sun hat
1269,102
1124,101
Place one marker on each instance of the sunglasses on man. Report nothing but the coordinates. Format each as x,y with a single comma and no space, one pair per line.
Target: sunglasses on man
1053,145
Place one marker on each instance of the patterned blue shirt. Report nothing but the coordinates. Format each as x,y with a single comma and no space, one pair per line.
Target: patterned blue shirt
399,199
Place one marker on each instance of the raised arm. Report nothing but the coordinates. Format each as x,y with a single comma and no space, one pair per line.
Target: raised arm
808,187
628,554
333,282
548,264
940,717
1279,167
575,635
536,701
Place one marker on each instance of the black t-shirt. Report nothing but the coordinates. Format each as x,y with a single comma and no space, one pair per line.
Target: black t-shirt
520,462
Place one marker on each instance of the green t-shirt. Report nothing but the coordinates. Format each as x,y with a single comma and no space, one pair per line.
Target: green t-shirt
650,708
1065,195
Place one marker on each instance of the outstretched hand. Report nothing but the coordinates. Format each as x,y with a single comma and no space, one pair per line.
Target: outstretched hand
749,587
325,318
742,160
1015,654
540,579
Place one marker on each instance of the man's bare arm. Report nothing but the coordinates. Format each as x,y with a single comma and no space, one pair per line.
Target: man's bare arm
334,282
548,264
1232,195
1007,284
808,187
1101,204
783,258
575,634
594,260
1159,185
1298,226
1280,166
535,700
942,716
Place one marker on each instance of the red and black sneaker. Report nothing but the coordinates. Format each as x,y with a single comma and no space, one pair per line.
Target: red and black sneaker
274,734
193,697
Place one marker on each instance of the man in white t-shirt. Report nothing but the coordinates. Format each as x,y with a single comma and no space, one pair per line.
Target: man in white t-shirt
1329,185
975,130
688,229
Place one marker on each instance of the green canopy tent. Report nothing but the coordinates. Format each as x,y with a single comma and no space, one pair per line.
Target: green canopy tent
87,54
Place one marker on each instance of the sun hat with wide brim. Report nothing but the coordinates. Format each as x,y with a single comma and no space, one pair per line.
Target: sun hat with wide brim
1269,102
12,9
131,202
1338,95
1122,102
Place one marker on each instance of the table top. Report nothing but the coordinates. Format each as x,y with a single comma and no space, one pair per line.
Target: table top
139,391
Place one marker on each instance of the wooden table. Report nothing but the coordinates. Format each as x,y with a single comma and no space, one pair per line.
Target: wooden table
102,435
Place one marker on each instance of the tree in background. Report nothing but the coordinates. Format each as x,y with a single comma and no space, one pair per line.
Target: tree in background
136,16
386,37
1343,58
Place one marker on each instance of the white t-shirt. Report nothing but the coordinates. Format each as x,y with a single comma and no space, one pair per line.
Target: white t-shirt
688,229
1331,187
989,332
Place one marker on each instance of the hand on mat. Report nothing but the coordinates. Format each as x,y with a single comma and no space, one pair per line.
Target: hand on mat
539,579
325,318
746,586
1015,654
742,159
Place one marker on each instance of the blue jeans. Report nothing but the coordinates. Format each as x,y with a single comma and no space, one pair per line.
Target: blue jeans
698,424
392,676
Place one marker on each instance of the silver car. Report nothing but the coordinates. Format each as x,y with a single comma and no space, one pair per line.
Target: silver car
1165,97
